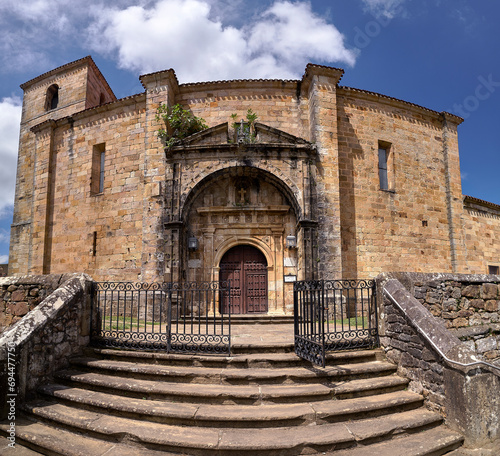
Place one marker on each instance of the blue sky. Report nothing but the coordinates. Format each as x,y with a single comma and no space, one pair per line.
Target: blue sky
441,54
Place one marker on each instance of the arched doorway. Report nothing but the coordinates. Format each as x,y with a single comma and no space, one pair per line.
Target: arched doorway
246,267
241,206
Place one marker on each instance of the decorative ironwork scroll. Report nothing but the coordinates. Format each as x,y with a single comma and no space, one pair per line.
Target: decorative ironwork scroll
185,317
334,315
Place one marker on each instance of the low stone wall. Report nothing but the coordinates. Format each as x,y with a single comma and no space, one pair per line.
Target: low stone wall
484,340
19,295
41,343
468,305
468,396
405,346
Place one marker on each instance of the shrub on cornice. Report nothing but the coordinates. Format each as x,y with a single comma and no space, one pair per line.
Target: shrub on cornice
179,123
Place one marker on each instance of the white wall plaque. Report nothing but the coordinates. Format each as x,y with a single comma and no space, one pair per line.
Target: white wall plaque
290,262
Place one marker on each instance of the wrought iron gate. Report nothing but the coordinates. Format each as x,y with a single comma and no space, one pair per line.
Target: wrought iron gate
334,315
173,317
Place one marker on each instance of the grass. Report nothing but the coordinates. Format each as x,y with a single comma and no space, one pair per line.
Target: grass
127,323
360,322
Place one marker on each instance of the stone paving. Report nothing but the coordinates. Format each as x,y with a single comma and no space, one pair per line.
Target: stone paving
261,334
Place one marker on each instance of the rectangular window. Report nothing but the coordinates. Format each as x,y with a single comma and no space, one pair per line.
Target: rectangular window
382,169
493,270
101,173
385,166
98,160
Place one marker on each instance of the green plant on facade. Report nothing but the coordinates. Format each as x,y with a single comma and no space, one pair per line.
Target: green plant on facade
179,123
245,131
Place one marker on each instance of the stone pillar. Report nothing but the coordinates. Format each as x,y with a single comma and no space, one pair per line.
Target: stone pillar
208,255
453,189
43,199
321,86
20,235
472,404
172,248
278,301
308,250
160,88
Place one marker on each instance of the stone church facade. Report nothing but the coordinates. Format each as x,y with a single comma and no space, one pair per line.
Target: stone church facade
336,182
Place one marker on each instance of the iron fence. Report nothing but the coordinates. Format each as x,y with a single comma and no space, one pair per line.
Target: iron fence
334,315
184,317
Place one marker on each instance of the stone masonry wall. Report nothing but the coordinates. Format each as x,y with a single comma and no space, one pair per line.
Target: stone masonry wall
19,295
274,103
120,233
481,224
405,227
101,230
469,306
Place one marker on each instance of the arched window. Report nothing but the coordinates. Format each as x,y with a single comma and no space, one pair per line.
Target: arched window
52,98
102,99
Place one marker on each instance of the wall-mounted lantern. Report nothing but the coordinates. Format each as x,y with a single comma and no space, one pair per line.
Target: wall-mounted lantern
192,243
291,242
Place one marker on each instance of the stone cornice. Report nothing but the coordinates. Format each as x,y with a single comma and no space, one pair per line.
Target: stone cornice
386,99
477,204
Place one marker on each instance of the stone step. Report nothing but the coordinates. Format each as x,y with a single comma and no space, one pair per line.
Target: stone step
235,376
262,347
243,360
227,394
236,441
490,450
431,442
36,438
17,449
223,416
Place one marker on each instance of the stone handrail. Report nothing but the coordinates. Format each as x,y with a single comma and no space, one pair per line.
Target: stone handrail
491,367
440,366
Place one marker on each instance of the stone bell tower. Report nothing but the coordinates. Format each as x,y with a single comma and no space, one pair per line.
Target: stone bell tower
54,95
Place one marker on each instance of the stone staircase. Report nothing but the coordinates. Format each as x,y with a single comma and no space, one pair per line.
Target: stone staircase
263,400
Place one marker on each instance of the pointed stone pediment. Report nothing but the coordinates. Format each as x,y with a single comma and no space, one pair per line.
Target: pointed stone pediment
222,135
266,134
211,136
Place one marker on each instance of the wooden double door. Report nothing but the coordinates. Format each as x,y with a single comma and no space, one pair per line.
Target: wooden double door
246,268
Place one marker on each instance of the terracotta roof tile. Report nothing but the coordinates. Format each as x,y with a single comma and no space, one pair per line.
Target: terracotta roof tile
471,199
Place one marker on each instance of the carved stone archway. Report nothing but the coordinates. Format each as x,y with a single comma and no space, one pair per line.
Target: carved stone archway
238,208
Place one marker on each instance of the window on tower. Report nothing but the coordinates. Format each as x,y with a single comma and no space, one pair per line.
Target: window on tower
52,97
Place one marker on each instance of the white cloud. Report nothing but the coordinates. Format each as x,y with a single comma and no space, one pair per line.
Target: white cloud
4,259
292,32
182,34
200,39
10,118
34,32
386,8
4,236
